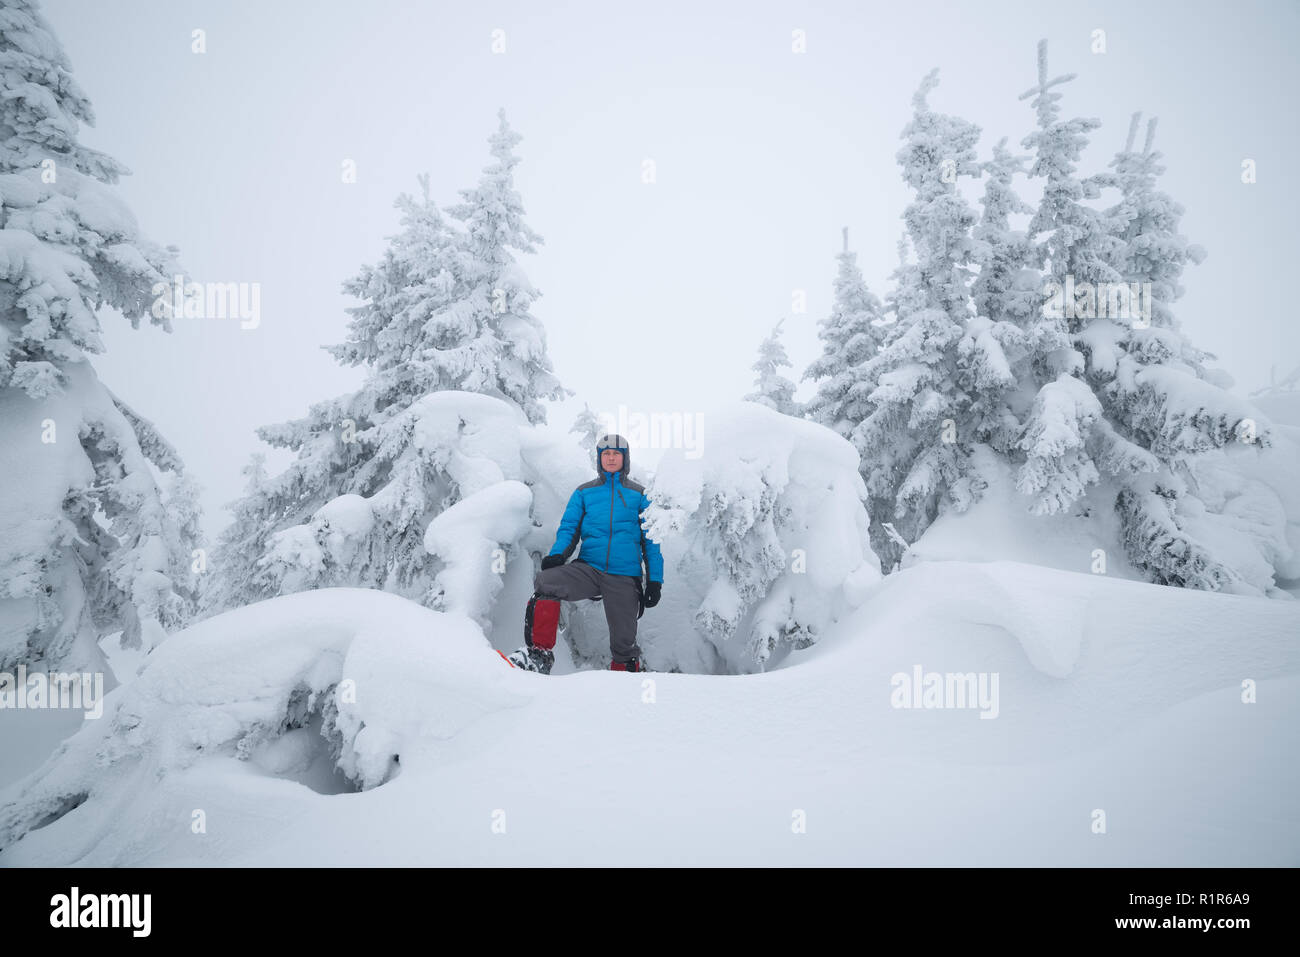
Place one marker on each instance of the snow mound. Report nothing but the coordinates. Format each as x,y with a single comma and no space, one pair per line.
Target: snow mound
468,538
388,678
768,529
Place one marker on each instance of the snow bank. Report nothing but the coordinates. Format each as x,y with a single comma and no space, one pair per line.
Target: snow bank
388,679
1082,659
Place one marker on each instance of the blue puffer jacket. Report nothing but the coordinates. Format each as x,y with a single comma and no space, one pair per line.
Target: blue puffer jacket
605,514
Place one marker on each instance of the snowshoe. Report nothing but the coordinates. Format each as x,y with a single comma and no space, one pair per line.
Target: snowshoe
532,659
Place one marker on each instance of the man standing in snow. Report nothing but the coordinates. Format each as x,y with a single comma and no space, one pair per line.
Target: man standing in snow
605,514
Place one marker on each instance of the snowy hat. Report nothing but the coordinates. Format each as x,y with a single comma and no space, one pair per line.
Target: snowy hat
612,441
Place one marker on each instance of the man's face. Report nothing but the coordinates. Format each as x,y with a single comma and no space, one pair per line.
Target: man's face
611,460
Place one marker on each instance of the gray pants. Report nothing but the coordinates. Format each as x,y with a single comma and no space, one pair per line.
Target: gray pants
620,593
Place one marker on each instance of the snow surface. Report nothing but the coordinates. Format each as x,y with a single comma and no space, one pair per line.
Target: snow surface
1113,695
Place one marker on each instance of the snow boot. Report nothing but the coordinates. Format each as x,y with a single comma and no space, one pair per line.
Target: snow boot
636,664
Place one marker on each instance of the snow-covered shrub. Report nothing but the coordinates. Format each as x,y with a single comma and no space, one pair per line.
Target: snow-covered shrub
764,535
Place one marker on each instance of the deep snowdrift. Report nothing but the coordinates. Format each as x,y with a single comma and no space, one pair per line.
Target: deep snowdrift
1112,696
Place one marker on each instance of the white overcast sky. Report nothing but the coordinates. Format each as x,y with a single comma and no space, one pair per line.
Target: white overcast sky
654,296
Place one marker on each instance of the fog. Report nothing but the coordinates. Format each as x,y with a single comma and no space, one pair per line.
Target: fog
655,295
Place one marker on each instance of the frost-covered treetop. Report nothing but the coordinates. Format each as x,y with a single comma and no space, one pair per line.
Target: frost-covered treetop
67,244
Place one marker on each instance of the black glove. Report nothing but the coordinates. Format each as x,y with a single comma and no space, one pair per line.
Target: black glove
550,561
652,591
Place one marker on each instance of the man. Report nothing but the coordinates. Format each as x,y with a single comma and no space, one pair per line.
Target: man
605,514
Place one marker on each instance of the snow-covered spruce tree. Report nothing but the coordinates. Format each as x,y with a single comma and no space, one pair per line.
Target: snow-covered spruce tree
232,582
398,334
510,354
588,428
1127,400
406,330
1065,435
770,387
850,336
369,478
1006,298
87,544
1287,387
919,440
1156,391
449,308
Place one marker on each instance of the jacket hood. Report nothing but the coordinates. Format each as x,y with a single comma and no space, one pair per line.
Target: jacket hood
612,441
